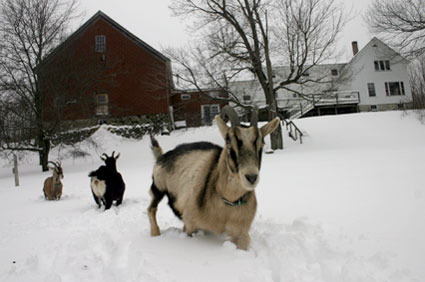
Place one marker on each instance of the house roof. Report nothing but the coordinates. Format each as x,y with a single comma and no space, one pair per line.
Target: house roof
124,31
371,43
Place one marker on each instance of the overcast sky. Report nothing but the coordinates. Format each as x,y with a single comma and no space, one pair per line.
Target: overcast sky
151,21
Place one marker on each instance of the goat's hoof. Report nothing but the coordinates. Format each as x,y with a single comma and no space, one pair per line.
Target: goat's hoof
155,233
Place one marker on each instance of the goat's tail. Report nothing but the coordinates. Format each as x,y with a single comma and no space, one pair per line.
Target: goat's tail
156,149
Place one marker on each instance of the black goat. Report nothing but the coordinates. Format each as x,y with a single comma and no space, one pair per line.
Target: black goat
106,182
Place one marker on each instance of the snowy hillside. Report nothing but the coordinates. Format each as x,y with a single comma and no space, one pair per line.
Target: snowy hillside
348,205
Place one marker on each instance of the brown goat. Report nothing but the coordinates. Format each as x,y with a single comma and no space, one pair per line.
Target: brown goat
210,187
53,185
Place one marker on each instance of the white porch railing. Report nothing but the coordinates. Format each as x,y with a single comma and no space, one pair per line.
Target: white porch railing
299,107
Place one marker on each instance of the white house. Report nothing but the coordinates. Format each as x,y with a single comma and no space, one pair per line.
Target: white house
381,78
375,79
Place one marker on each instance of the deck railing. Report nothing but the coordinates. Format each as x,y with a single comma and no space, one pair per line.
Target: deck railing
293,131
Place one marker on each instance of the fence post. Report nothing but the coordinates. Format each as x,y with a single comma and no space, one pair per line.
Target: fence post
15,169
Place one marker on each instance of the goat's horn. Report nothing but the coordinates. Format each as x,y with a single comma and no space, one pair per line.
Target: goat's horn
58,164
113,153
254,117
231,114
52,163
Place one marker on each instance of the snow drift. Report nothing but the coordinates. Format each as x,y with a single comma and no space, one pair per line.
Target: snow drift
347,205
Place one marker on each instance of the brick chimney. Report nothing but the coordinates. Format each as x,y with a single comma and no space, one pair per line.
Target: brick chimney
355,47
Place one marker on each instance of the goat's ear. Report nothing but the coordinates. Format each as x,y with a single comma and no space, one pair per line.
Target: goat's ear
222,126
270,126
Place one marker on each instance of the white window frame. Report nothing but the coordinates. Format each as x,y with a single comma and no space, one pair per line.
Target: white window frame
102,107
369,88
388,92
382,65
217,106
100,43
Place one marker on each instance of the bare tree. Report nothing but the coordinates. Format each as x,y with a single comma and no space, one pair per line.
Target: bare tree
399,22
30,29
240,36
417,82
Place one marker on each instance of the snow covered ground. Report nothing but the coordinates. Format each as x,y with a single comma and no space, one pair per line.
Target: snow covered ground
348,205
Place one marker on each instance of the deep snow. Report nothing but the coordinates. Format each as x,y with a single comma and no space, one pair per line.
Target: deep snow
348,205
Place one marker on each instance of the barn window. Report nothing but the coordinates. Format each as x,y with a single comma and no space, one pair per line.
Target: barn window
185,97
100,43
334,72
102,104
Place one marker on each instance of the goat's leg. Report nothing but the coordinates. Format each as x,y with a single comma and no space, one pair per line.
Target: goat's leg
189,229
108,201
96,199
157,196
119,201
241,240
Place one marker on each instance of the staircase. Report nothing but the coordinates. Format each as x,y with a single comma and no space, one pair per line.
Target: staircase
293,131
298,110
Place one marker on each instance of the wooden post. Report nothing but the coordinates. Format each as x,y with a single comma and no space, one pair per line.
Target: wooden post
15,169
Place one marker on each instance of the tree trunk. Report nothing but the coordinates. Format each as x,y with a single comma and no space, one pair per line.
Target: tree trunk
15,169
44,154
276,136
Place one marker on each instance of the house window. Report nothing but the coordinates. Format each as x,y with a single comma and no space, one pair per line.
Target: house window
334,72
102,104
387,65
208,112
394,88
100,43
247,98
382,65
374,108
185,97
371,89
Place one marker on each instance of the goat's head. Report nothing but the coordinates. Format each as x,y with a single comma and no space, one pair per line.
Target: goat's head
244,145
110,161
57,169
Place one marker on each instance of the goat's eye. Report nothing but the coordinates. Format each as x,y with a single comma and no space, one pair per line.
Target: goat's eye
239,142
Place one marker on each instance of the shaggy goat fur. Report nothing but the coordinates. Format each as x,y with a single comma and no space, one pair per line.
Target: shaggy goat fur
52,188
106,183
210,187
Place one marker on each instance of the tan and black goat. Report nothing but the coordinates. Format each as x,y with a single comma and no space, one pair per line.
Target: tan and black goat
210,187
53,185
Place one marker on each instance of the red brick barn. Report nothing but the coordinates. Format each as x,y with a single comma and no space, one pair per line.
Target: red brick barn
195,108
103,71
